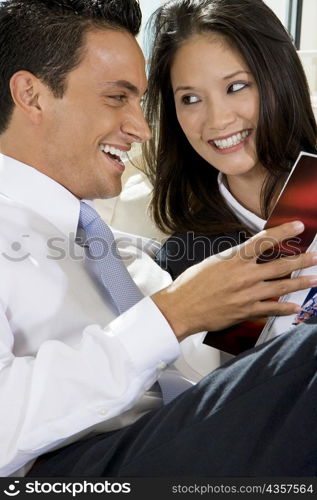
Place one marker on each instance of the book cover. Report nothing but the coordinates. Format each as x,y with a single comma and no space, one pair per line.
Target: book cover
297,201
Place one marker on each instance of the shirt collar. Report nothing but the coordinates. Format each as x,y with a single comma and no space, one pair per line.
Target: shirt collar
40,193
251,220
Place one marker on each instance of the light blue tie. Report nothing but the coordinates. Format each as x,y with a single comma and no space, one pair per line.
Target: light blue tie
112,273
109,267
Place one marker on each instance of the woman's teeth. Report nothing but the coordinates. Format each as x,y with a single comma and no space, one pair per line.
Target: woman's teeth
231,141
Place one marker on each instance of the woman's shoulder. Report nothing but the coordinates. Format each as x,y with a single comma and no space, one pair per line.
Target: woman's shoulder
183,250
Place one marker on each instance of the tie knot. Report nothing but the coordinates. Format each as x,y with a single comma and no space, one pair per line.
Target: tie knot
94,233
87,215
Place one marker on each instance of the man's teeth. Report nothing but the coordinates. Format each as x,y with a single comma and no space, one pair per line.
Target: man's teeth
231,141
114,151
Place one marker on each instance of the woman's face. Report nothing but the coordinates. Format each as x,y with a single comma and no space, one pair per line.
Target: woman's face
217,103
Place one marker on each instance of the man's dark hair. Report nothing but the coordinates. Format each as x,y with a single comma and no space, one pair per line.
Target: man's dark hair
46,37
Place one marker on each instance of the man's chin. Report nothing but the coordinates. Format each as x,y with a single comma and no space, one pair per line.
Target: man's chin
108,192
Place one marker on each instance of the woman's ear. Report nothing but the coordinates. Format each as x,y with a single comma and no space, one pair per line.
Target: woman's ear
26,93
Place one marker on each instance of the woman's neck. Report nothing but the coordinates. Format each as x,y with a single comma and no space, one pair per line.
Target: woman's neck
246,189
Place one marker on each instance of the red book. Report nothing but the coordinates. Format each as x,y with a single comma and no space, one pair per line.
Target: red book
297,201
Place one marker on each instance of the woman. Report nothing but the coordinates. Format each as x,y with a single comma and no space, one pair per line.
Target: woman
230,109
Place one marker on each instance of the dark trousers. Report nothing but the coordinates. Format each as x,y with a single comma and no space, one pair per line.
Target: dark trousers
255,416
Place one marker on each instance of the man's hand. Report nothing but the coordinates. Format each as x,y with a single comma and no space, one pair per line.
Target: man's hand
231,286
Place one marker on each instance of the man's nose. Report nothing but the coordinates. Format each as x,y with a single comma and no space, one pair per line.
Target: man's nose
136,127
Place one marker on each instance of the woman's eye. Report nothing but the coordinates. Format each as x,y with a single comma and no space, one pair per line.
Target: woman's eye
190,99
235,87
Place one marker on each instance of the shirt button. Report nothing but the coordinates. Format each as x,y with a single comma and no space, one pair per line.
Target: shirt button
161,365
103,411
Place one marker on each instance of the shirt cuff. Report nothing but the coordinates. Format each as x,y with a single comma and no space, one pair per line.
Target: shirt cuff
146,335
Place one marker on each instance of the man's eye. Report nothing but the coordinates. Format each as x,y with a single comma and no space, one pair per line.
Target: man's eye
190,99
119,97
235,87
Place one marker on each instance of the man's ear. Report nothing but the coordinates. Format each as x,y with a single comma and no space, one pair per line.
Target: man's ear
26,93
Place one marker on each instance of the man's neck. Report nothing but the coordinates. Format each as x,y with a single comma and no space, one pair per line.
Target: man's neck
20,147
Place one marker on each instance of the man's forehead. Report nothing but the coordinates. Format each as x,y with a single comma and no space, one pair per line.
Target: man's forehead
112,43
117,58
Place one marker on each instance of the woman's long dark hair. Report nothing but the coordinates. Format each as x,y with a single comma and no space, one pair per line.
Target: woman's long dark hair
186,195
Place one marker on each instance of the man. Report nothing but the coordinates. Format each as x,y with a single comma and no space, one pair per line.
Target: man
72,80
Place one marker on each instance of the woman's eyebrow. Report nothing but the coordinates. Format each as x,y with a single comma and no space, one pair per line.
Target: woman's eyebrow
182,88
227,77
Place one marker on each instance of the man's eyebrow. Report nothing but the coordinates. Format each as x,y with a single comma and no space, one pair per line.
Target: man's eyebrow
124,84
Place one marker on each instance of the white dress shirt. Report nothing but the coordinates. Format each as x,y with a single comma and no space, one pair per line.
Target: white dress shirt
68,366
250,219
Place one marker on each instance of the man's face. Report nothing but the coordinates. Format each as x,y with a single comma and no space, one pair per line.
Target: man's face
100,110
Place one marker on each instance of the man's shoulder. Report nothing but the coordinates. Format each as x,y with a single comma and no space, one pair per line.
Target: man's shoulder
13,211
15,217
12,216
23,233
